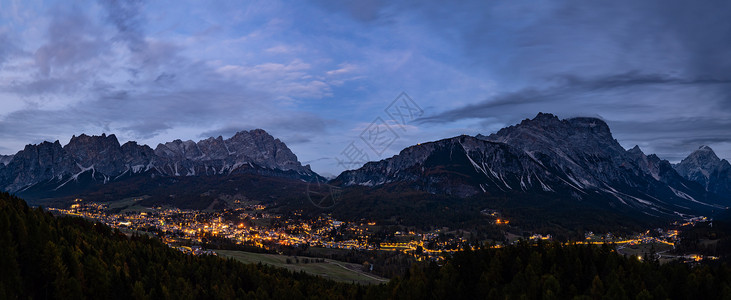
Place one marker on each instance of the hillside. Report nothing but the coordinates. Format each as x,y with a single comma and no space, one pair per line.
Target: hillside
574,164
71,258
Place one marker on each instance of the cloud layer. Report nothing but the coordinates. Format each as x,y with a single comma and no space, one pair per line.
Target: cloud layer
316,73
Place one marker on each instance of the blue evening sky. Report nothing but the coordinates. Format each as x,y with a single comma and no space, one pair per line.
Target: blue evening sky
316,74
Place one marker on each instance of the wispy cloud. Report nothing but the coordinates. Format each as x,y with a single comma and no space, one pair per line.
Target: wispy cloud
313,72
128,19
570,89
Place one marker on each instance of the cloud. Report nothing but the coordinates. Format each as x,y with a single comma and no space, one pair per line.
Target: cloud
651,110
126,16
682,39
637,63
7,46
365,11
570,90
72,41
675,137
312,72
288,81
283,49
68,60
150,89
344,68
519,42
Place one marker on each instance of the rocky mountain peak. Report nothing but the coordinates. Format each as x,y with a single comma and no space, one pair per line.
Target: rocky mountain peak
583,146
636,153
214,148
264,149
136,156
549,129
705,155
648,164
179,149
86,139
591,125
636,150
103,153
703,159
704,167
705,148
545,117
247,152
36,163
575,159
83,147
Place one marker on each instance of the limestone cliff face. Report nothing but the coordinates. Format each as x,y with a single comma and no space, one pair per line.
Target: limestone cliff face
246,152
704,167
576,159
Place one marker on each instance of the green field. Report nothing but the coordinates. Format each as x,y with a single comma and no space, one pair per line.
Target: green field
642,249
129,204
331,269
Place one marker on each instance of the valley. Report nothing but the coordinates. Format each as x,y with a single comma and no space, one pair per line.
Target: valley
525,185
256,228
367,149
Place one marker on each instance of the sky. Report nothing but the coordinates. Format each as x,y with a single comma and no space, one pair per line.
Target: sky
343,82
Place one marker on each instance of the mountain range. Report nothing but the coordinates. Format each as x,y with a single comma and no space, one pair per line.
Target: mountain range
573,160
101,159
565,162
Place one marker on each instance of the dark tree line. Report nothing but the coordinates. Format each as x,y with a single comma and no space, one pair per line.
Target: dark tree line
44,257
555,271
708,238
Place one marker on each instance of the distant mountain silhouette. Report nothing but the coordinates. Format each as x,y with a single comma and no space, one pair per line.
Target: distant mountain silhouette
574,160
46,168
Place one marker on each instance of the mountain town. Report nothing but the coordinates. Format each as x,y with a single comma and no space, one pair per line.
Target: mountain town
365,149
